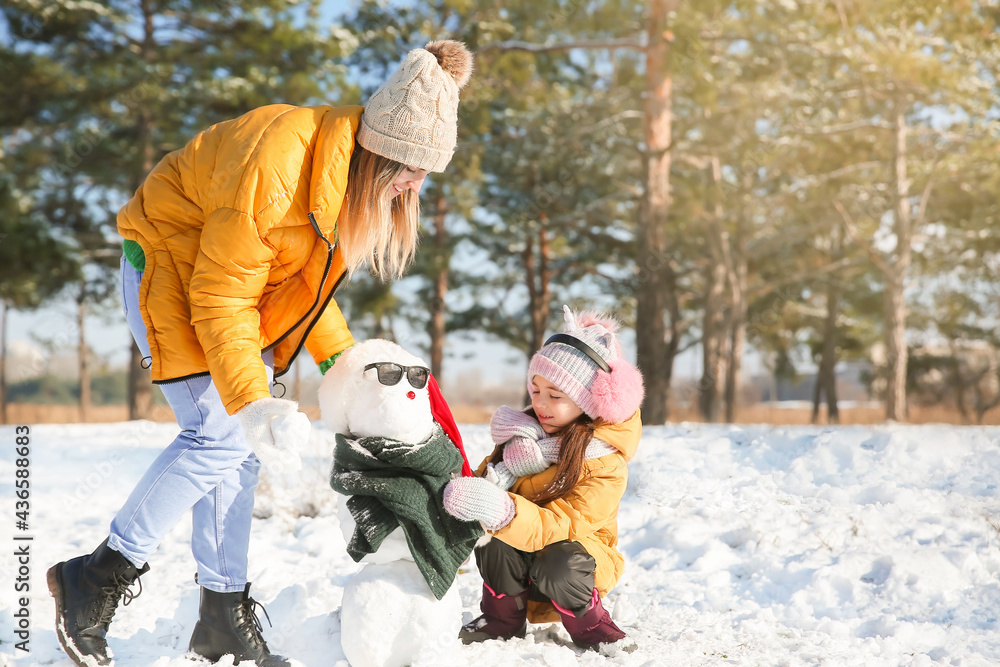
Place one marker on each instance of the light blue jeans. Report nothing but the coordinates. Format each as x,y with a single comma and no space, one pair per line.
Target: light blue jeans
209,468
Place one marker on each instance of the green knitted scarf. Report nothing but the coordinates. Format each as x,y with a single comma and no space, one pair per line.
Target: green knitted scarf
390,484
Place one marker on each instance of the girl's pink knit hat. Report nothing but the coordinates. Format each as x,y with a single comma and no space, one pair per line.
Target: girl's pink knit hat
586,363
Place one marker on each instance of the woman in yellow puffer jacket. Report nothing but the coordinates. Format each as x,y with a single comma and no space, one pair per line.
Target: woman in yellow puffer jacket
234,247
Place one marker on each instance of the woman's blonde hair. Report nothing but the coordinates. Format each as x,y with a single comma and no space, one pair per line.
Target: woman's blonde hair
373,226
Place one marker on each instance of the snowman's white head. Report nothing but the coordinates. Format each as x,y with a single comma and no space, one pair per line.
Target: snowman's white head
377,388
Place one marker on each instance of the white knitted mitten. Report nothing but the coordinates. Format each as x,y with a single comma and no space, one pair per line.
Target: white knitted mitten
499,475
476,499
276,431
523,457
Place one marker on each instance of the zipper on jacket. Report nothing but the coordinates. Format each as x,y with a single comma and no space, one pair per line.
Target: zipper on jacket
291,360
183,378
319,314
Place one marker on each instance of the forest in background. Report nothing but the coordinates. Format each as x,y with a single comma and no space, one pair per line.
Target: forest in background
813,181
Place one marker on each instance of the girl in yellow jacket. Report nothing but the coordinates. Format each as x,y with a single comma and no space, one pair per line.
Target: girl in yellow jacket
549,493
234,246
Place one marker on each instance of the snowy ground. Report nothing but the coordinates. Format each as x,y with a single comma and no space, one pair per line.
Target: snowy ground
746,545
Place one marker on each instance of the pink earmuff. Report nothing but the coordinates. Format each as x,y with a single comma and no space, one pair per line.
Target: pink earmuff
618,394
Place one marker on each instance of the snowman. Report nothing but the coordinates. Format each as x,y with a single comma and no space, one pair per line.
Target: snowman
391,463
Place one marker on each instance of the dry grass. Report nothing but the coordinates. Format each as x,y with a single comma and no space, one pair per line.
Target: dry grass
471,414
764,413
30,413
24,413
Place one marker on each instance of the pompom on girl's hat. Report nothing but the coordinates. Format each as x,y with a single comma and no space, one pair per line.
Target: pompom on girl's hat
586,363
413,117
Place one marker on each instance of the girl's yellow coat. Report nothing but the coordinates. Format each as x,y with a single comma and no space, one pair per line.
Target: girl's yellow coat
233,264
588,514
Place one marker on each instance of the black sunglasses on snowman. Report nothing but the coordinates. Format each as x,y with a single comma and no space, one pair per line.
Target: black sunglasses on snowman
390,374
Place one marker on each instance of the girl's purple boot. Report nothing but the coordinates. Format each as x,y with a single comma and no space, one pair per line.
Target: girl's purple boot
593,626
504,617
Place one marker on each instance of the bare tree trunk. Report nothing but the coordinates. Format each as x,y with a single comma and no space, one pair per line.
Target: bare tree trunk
983,404
81,317
652,291
3,361
437,320
140,390
724,321
713,342
737,323
674,337
832,405
958,384
734,362
826,378
538,280
817,395
772,377
545,274
539,288
739,287
894,302
714,319
895,343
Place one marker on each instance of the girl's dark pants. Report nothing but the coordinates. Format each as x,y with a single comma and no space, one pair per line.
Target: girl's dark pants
562,572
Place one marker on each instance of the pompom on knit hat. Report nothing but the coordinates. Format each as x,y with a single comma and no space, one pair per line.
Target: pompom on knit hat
612,395
413,117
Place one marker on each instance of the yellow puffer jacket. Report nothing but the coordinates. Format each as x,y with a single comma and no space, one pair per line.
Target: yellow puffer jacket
588,514
234,266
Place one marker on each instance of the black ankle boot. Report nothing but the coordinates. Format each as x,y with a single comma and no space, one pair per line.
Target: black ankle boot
87,590
228,624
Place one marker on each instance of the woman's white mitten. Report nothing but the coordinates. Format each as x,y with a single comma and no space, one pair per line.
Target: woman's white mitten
276,431
477,499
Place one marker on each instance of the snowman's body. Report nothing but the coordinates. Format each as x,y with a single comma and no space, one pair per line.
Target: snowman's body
389,616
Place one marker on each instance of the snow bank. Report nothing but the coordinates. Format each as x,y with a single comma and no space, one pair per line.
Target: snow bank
746,545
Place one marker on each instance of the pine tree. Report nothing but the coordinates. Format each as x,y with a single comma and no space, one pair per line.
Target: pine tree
127,81
905,65
34,265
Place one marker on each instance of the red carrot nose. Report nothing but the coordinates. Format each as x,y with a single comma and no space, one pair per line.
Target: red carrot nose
410,395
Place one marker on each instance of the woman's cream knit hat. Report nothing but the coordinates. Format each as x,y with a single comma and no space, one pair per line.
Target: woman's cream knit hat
413,117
